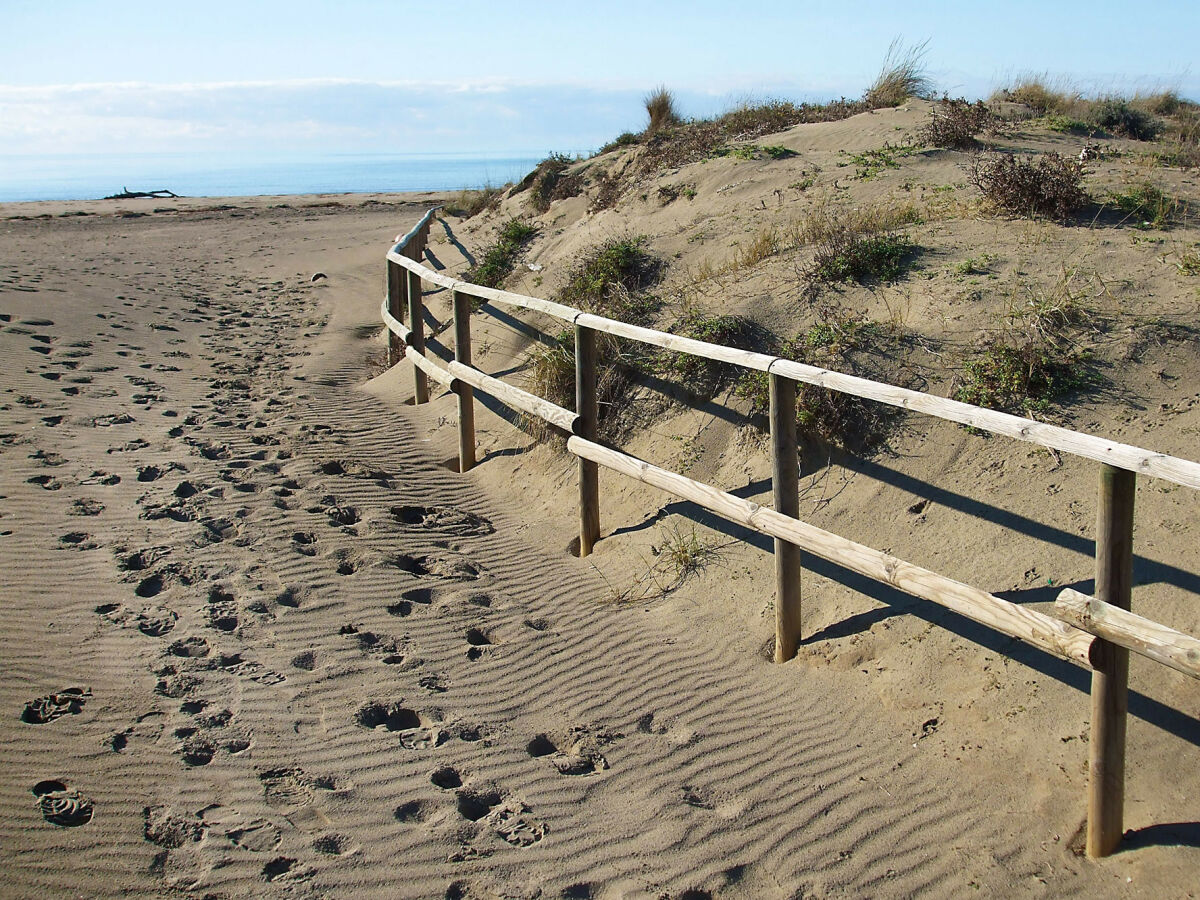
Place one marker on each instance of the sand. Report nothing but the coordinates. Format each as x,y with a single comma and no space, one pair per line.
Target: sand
282,649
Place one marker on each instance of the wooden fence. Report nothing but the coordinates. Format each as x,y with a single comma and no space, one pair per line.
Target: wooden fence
1096,633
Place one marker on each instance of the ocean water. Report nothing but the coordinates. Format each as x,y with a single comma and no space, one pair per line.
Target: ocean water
70,177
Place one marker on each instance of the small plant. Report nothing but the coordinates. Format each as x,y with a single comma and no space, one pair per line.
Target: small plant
1147,206
871,162
1189,263
610,277
683,554
955,124
1048,185
1116,115
660,107
500,258
753,151
852,257
973,265
903,75
1025,377
1067,125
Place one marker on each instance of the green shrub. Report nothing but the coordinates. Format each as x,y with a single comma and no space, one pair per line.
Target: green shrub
1048,185
955,124
1024,377
1147,205
1067,125
500,258
609,278
1116,115
844,256
625,139
903,75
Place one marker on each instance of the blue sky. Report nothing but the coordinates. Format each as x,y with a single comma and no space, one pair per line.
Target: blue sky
368,76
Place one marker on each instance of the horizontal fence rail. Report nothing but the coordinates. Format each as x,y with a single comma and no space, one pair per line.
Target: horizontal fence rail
1094,632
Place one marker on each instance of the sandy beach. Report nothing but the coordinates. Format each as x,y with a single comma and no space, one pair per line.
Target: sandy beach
262,640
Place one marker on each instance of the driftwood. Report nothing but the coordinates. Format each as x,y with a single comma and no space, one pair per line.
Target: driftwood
127,194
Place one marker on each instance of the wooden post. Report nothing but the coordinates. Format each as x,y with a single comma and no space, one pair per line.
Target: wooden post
466,393
785,483
395,296
587,409
416,321
1110,677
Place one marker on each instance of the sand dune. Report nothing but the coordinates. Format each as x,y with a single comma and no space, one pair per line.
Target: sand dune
259,642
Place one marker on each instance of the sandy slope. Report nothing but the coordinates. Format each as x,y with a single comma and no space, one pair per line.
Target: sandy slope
318,663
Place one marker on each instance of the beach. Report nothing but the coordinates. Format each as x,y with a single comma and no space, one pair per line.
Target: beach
284,648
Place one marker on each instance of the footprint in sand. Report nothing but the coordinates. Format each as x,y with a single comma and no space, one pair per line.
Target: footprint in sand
573,752
289,788
415,730
255,835
169,830
444,519
61,806
67,702
479,641
450,567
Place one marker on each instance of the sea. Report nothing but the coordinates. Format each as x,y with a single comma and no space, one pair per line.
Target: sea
72,177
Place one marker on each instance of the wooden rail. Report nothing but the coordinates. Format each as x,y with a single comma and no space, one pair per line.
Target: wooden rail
1093,632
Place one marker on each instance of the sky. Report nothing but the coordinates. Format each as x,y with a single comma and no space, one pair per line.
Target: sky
366,76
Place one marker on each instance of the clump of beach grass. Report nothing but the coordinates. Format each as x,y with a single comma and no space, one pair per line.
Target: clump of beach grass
903,75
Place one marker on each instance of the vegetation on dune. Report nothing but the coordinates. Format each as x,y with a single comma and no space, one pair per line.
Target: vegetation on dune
1049,184
902,76
842,341
660,107
1146,206
498,260
956,123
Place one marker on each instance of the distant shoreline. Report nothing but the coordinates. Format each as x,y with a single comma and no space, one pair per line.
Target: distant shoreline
29,179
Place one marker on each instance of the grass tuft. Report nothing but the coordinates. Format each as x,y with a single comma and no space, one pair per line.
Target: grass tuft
903,75
1147,206
660,107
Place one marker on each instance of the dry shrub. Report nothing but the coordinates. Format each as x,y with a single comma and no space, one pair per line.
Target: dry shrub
903,75
549,182
956,122
1047,185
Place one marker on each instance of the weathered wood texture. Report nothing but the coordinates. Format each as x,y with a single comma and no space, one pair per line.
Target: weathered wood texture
587,407
466,393
1129,630
416,339
785,484
515,398
1033,627
394,325
430,369
1110,678
393,308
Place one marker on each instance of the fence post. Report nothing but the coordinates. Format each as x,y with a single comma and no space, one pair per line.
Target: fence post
395,300
416,322
466,393
586,407
785,483
1110,677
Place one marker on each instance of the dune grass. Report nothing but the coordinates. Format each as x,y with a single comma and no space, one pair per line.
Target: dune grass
903,75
